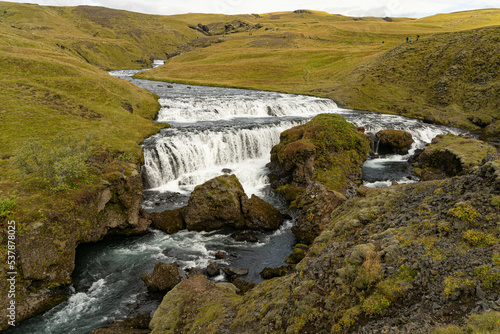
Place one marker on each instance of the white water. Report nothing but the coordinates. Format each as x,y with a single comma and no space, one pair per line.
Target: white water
209,107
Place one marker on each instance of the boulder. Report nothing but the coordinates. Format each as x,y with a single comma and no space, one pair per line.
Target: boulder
234,273
220,255
222,203
212,269
164,277
326,149
136,325
453,155
216,204
243,285
393,141
194,302
246,235
268,273
262,215
170,221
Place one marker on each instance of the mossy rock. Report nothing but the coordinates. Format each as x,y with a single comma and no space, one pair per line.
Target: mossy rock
216,204
170,221
327,148
262,215
454,155
394,141
193,303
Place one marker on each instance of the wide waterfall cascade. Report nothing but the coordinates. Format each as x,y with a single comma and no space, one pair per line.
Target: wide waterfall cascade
214,131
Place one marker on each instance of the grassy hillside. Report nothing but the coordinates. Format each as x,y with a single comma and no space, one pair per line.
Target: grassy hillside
348,58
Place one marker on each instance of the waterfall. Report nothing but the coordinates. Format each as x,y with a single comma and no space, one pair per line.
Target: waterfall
206,106
192,157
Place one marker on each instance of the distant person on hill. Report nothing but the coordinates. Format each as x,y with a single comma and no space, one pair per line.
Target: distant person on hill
418,37
406,39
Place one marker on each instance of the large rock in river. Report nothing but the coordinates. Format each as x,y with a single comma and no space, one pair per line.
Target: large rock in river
394,141
216,204
164,277
262,215
221,202
327,149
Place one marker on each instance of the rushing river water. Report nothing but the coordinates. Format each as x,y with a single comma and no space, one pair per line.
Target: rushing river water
214,131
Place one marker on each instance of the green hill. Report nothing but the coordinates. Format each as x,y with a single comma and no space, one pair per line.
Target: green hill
363,63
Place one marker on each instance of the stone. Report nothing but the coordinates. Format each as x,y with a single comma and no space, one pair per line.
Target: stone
169,221
220,255
246,235
213,269
268,273
262,215
216,204
394,141
164,277
233,273
480,293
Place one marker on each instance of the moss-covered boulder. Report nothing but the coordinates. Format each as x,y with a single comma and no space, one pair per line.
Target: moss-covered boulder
164,277
169,221
221,202
196,302
450,155
262,215
393,141
216,204
326,149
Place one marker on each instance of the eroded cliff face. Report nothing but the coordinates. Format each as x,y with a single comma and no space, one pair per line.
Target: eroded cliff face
426,254
46,249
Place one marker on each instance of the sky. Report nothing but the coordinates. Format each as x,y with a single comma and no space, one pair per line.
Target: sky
380,8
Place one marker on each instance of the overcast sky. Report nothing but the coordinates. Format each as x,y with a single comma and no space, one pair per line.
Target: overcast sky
381,8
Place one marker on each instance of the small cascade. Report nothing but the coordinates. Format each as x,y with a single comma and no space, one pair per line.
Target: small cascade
192,156
178,107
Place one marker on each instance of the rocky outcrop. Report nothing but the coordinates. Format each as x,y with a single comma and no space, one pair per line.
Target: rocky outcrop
393,141
164,277
221,202
427,254
316,206
316,166
195,303
450,155
47,247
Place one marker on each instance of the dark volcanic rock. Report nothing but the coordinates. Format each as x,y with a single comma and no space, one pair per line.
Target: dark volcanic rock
136,325
170,221
262,215
220,255
164,277
234,273
212,269
246,235
394,141
268,273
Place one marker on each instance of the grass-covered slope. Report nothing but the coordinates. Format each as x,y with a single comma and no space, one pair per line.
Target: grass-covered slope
449,74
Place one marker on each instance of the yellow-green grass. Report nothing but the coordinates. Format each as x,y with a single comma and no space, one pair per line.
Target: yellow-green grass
347,59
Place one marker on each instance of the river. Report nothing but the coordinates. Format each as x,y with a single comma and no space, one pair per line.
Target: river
213,131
